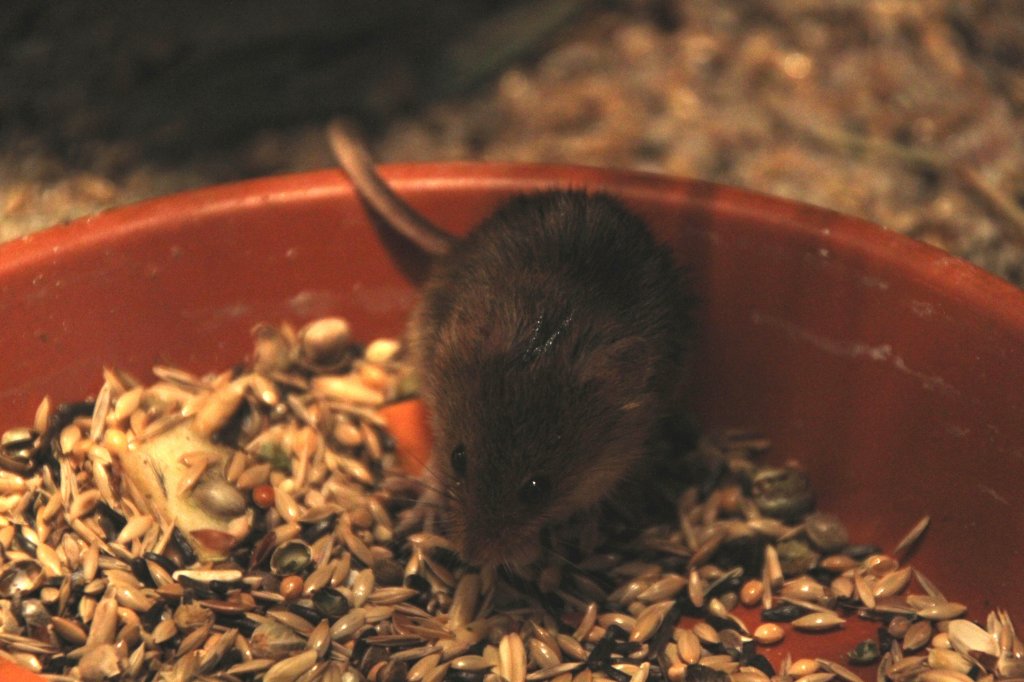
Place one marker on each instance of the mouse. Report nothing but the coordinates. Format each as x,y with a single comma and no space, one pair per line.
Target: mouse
549,343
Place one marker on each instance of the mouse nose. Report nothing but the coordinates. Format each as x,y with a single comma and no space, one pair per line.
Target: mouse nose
487,545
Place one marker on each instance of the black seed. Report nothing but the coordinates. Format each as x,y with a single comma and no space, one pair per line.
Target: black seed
330,603
747,552
885,640
162,561
393,671
244,625
141,571
601,653
783,613
27,545
418,583
844,605
386,441
821,575
626,648
230,658
701,673
656,674
233,620
865,653
197,588
221,587
617,675
663,634
150,618
762,664
868,614
314,531
116,520
49,448
360,647
312,615
181,542
464,676
446,558
553,603
616,632
719,623
373,656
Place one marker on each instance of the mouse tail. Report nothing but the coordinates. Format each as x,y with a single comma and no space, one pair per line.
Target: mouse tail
355,160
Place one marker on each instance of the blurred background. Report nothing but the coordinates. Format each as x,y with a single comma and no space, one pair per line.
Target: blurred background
909,113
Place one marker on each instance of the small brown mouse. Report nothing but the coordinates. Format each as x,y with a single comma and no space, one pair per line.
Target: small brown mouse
549,344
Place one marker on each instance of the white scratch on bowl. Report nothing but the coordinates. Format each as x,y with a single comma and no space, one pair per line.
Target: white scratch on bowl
958,431
381,299
313,303
992,493
874,282
230,312
922,308
854,349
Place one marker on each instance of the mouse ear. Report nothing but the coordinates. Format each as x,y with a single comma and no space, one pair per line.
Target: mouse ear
622,369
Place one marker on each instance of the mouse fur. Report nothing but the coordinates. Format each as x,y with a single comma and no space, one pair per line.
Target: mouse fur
549,344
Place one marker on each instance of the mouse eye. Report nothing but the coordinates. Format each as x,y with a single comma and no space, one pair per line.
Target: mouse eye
459,460
535,490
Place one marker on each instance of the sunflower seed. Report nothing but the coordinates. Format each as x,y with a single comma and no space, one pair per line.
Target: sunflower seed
892,583
966,637
918,634
289,669
942,611
551,673
422,667
818,621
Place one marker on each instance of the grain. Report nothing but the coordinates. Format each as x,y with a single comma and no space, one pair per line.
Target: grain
306,568
814,622
769,633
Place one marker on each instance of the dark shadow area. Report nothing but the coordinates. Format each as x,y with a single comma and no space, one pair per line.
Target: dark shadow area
176,77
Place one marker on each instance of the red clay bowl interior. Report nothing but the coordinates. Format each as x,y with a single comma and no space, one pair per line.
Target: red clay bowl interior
891,370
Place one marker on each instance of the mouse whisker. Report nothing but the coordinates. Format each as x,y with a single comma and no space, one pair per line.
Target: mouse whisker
551,552
406,500
429,482
441,492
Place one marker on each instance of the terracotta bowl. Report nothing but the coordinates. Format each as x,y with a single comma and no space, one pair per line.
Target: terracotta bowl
893,371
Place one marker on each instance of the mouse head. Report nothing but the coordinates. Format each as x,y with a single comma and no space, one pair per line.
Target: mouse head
525,441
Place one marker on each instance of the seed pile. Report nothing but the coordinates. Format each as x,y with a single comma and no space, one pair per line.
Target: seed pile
251,525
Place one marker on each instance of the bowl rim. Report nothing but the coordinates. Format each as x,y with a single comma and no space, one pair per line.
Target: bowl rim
997,299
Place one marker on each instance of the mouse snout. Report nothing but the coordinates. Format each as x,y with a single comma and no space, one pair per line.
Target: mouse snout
490,543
